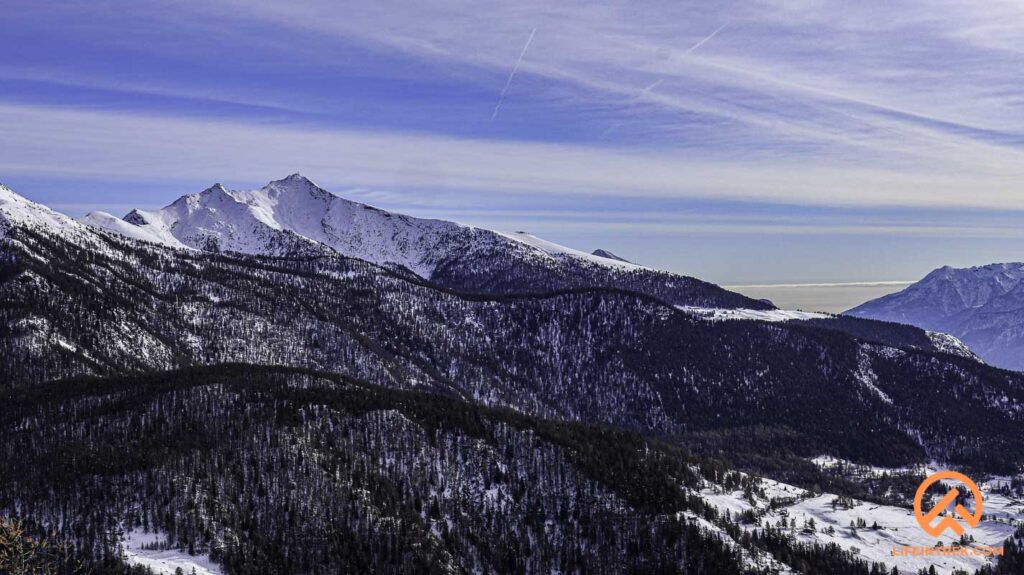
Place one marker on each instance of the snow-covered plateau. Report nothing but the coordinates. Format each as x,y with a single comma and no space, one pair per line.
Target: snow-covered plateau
870,530
718,314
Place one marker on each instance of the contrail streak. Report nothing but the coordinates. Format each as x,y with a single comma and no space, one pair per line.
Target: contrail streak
651,86
515,69
702,42
658,82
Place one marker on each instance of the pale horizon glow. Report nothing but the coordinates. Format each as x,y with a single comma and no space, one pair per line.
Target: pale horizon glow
831,298
826,285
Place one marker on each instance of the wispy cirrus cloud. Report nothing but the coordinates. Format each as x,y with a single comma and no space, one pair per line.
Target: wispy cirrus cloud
899,78
123,145
897,118
826,81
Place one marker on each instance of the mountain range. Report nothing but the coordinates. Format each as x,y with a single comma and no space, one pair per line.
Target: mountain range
982,306
294,215
326,343
614,350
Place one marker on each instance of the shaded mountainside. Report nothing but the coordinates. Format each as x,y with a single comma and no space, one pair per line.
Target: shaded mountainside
272,470
599,355
294,214
893,334
308,412
982,306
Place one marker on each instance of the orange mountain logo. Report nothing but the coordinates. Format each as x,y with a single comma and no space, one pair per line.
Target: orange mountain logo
927,520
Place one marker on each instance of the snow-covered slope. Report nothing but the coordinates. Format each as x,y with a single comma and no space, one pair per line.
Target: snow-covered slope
294,214
554,250
142,232
154,551
295,210
824,518
982,306
18,212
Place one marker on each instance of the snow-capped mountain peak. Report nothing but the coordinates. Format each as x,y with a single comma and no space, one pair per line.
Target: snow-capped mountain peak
295,210
294,215
981,305
297,182
948,291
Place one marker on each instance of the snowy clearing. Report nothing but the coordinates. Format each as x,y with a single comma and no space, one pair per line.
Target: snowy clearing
143,549
882,527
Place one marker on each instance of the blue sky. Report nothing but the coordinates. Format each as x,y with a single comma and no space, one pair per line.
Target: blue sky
742,142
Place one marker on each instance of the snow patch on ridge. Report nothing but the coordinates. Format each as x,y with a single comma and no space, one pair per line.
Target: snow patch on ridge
555,250
947,343
145,232
864,471
773,315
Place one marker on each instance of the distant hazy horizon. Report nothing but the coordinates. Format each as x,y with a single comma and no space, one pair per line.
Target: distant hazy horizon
827,297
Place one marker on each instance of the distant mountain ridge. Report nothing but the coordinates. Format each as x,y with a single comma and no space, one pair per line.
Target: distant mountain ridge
81,300
982,306
188,423
294,215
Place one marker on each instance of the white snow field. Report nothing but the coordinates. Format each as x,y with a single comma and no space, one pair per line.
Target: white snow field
720,314
295,211
942,341
144,232
556,251
164,562
897,526
18,211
